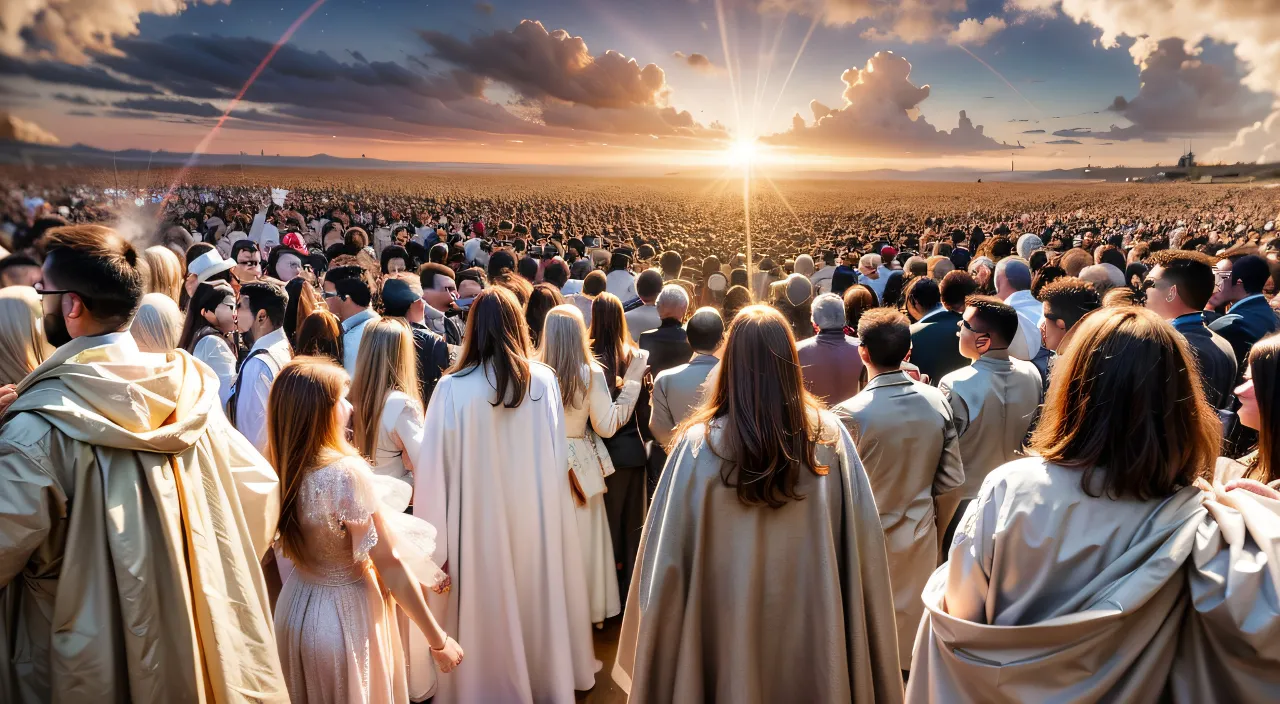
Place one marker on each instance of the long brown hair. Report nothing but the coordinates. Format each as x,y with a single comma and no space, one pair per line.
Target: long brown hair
321,334
386,362
497,336
195,326
767,421
302,435
610,339
1264,367
1126,401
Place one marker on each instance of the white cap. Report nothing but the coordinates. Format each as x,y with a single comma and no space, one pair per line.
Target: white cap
209,264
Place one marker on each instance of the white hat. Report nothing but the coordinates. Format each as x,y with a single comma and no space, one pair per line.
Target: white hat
1269,226
209,264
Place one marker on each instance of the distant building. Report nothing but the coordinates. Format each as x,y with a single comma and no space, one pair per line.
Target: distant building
1187,161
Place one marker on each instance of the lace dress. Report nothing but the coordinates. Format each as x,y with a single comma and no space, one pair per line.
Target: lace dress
336,629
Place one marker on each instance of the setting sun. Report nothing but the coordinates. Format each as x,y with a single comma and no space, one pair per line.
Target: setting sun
742,152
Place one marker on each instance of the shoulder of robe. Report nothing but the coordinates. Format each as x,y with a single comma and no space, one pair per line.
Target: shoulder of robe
1026,367
829,428
1024,474
26,433
962,375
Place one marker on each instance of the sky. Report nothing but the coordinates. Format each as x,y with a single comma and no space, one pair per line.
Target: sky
783,84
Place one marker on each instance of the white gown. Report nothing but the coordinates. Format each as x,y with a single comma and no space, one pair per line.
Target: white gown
402,418
508,533
605,416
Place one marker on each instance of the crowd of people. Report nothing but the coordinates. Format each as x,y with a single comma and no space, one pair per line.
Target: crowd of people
388,447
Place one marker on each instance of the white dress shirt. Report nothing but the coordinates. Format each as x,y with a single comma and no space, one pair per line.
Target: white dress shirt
256,377
1030,314
352,334
215,352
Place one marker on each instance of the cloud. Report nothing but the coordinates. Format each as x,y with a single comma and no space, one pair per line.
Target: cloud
357,56
976,33
1257,143
1181,95
313,88
696,61
1064,141
73,30
881,117
540,64
907,20
77,99
484,8
169,106
64,74
648,120
16,129
1250,26
82,113
1033,132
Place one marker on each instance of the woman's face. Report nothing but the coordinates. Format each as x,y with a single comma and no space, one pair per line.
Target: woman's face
223,317
288,267
395,266
343,410
1248,413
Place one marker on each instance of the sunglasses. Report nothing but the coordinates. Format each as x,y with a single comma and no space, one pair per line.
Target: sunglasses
965,324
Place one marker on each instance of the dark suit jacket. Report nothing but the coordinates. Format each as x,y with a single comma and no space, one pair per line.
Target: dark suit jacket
935,346
1245,324
433,359
1215,358
668,346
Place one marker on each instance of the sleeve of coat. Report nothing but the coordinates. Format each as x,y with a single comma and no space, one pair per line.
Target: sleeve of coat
607,415
30,498
871,631
959,411
661,422
950,474
437,460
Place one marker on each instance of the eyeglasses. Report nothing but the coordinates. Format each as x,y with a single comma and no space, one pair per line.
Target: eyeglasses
40,289
252,265
328,295
965,324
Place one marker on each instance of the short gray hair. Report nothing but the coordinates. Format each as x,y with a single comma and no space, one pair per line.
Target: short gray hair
672,297
828,312
1016,271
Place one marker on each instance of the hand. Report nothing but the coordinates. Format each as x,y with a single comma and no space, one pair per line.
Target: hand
1254,486
449,656
444,585
8,394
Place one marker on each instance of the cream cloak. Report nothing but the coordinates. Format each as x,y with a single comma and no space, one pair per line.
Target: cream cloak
494,482
132,522
734,603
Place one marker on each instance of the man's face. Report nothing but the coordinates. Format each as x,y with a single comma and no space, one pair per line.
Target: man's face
1052,329
244,316
331,297
973,337
1158,292
395,266
248,265
55,325
442,296
20,276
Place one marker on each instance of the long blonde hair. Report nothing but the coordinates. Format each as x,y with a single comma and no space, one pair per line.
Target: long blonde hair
564,348
165,272
22,342
386,362
303,435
